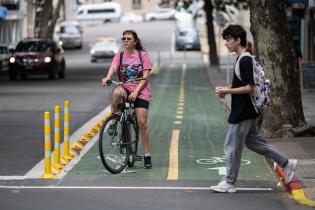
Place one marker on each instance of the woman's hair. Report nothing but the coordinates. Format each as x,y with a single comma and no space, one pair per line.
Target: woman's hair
135,36
235,31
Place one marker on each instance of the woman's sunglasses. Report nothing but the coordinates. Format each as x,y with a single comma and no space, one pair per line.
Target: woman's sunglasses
126,38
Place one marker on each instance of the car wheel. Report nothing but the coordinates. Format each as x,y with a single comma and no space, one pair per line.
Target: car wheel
62,72
12,76
93,60
51,73
23,76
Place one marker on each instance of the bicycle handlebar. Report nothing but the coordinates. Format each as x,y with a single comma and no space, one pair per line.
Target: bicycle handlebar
132,80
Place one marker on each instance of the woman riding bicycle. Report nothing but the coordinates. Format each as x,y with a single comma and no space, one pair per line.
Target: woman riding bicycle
131,66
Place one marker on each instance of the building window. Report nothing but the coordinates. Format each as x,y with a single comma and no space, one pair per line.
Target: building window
136,4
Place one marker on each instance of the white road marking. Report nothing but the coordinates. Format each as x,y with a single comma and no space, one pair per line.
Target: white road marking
126,188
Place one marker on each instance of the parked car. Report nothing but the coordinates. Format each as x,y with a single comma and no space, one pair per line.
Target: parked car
37,56
69,34
4,58
104,48
161,14
131,18
187,39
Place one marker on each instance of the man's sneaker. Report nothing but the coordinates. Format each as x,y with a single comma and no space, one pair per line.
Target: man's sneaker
289,169
147,162
223,187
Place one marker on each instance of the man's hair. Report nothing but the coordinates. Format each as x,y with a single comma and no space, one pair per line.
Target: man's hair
235,31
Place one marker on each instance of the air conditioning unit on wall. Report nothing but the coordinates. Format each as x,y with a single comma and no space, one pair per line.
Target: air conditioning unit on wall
311,3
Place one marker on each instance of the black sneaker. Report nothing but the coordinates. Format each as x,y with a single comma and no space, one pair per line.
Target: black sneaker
147,162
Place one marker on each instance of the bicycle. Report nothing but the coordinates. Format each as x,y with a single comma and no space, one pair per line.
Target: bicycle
119,135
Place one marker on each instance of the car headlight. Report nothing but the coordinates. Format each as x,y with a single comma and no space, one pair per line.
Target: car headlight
115,51
12,60
47,59
92,51
60,43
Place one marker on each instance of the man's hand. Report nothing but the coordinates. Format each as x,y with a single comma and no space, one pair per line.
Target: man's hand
221,91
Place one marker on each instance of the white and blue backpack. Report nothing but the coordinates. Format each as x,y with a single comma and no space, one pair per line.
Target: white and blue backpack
261,95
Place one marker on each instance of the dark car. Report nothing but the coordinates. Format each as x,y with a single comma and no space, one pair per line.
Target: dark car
11,4
37,56
187,39
4,58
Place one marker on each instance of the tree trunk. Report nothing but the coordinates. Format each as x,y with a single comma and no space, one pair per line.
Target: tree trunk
49,18
274,47
55,17
213,55
45,17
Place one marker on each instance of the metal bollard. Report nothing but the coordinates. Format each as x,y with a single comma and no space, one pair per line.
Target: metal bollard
66,143
57,166
48,174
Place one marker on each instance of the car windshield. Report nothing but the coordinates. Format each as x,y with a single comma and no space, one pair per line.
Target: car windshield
187,33
3,50
70,29
34,46
105,44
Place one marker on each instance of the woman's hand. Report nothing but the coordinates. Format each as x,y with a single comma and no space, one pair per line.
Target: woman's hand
133,96
104,81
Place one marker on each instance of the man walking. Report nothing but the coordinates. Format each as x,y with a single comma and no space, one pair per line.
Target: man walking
242,120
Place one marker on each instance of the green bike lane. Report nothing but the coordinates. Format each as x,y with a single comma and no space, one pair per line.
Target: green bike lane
187,117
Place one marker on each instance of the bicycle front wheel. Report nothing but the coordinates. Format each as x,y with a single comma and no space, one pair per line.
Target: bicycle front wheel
113,150
134,140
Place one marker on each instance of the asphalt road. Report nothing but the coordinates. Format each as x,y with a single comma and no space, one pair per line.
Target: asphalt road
22,104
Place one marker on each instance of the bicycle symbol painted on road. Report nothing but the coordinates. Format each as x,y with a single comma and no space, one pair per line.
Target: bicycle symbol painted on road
217,160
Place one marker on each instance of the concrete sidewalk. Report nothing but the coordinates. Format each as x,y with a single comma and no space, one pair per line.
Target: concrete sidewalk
302,188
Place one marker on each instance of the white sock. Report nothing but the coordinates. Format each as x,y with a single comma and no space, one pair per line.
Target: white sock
147,154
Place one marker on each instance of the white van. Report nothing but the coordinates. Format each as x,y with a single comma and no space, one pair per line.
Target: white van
108,12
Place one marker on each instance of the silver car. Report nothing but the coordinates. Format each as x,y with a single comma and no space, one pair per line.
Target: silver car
104,49
187,39
69,35
4,58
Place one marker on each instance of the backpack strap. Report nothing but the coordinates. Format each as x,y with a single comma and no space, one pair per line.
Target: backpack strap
140,56
238,74
237,65
120,58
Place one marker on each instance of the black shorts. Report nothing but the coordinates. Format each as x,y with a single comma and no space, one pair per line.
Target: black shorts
139,103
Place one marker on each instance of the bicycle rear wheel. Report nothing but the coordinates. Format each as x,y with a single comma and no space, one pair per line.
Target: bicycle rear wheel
134,140
113,150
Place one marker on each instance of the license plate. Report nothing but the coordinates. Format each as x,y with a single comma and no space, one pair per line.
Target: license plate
188,45
28,67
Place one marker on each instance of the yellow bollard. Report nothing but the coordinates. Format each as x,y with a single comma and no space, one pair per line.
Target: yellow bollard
57,166
48,174
66,143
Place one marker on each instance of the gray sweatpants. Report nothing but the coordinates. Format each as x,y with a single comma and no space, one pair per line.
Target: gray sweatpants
246,132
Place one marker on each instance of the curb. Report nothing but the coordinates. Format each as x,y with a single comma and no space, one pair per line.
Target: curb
295,188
